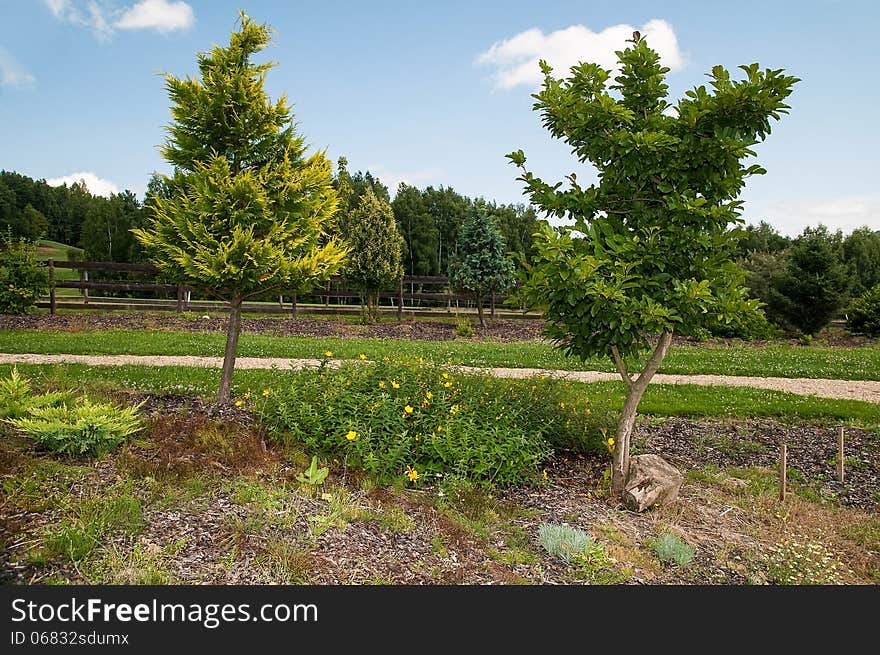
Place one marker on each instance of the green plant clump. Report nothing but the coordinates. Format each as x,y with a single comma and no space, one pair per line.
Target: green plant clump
673,550
563,541
17,397
23,278
795,562
414,422
84,428
863,316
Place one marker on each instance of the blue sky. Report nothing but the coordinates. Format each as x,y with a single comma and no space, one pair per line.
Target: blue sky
417,92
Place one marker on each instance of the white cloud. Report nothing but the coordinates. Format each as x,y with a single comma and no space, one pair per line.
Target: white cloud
94,184
516,58
12,73
161,15
792,216
106,16
393,179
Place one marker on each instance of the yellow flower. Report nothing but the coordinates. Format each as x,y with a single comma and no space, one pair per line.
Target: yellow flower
352,435
446,376
247,395
238,403
265,393
362,356
395,385
610,441
545,476
421,361
412,474
439,428
562,405
447,384
587,411
328,353
408,409
381,384
429,395
453,409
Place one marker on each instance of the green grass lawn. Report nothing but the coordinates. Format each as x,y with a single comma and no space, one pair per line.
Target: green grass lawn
862,363
659,400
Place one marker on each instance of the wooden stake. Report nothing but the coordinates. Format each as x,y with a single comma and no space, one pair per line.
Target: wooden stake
51,264
783,471
840,453
84,275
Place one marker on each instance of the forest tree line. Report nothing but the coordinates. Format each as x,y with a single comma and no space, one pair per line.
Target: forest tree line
428,219
803,282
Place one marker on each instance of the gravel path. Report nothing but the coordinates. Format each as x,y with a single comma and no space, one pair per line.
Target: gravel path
841,389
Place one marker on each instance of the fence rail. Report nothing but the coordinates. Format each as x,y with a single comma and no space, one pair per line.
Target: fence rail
444,301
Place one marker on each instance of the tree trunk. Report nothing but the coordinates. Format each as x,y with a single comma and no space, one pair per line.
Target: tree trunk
635,389
480,311
232,331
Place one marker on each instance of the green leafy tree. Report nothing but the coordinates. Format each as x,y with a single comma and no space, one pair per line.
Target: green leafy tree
107,230
417,227
23,278
480,266
762,237
376,248
650,250
863,315
32,224
448,211
248,210
861,255
815,283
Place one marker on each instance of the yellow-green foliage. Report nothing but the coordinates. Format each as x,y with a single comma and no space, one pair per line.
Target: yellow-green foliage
17,397
247,207
82,428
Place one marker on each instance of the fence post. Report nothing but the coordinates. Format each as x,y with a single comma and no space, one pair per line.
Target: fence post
51,264
400,299
179,298
327,295
493,304
294,305
188,297
84,277
783,472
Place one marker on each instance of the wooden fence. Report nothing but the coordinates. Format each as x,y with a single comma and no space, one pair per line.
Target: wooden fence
441,301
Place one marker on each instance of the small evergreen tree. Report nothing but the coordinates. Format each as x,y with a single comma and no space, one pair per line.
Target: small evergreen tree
248,208
376,248
480,267
815,283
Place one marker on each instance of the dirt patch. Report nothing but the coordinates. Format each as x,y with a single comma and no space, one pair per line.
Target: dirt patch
812,453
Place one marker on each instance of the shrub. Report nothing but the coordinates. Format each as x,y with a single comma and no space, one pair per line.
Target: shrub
84,428
673,550
418,421
564,541
593,565
463,328
23,279
17,397
863,315
793,562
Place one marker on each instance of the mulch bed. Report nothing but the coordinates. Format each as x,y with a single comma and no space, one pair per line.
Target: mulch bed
364,552
425,330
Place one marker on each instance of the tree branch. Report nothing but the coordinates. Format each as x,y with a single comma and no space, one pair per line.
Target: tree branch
621,367
656,359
